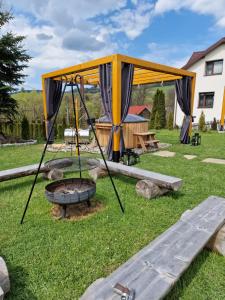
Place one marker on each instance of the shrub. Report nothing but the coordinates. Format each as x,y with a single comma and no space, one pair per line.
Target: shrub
157,121
162,109
25,129
11,128
158,106
201,123
154,109
170,121
60,131
43,130
55,130
214,124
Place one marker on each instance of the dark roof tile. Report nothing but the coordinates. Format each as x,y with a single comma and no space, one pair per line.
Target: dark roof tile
196,56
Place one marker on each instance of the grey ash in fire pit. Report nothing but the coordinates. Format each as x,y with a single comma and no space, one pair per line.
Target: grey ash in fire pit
70,191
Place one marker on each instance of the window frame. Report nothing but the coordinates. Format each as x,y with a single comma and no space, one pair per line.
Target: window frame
213,61
205,94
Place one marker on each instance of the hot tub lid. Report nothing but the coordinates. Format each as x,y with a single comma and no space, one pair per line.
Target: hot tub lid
129,119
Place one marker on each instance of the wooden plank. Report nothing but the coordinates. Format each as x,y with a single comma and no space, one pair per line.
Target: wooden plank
154,270
148,65
21,172
144,133
169,182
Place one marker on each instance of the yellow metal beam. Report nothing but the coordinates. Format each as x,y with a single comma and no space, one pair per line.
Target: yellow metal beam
223,110
156,79
139,72
116,100
80,67
142,78
154,66
44,105
90,73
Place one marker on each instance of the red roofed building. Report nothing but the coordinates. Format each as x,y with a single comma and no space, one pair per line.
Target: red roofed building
141,110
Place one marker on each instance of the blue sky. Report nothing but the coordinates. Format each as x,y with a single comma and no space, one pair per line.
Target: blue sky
63,33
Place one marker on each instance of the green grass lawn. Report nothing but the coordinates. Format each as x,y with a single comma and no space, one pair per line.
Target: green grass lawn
49,259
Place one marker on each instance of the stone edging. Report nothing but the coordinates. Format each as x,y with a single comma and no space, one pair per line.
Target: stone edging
19,144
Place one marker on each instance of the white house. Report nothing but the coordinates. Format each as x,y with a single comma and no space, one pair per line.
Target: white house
210,83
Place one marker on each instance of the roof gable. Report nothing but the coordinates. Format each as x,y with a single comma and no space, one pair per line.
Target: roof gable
196,56
138,109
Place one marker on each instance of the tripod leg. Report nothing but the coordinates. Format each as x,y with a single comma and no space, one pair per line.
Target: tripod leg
100,149
42,158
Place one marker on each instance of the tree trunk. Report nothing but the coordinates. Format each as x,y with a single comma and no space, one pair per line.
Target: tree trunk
97,173
149,190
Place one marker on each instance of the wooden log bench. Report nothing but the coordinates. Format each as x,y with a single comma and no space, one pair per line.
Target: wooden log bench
163,181
20,172
30,170
153,271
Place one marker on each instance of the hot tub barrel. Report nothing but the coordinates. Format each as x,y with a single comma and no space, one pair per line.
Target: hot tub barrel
132,124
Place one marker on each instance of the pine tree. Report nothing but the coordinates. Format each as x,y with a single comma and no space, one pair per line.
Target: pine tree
201,123
170,121
157,121
13,60
158,106
154,109
162,109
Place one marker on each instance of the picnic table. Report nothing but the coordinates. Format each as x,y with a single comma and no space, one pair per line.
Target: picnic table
147,139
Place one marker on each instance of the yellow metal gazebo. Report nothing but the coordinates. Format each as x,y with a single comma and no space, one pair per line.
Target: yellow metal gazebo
145,72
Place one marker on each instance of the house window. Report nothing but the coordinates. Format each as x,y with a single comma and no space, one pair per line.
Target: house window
214,67
206,100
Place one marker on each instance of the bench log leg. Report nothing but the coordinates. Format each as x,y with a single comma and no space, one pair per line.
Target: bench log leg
4,279
54,174
217,242
149,190
97,173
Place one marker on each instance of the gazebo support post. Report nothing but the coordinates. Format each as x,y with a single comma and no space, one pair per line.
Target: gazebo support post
222,112
116,105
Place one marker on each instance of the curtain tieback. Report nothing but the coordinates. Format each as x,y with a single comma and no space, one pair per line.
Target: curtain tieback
116,128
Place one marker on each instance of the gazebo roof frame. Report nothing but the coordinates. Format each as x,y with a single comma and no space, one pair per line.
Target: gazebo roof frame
145,71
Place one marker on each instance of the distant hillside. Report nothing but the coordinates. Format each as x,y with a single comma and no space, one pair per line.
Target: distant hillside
30,102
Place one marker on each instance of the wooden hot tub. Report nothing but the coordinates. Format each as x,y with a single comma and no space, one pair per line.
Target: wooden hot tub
132,124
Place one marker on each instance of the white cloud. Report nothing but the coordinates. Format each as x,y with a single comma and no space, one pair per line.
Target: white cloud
133,21
71,11
167,54
62,33
204,7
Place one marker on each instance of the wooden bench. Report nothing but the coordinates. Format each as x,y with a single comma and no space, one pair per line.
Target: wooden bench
147,143
146,139
152,272
164,181
21,172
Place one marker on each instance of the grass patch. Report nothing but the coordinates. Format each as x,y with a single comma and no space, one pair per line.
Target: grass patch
50,259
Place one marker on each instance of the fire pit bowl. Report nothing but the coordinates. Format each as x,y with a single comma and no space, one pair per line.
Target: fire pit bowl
70,191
